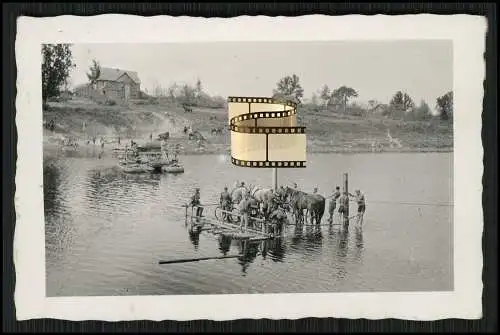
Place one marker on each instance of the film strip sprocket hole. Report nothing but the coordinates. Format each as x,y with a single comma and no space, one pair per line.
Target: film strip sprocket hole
264,133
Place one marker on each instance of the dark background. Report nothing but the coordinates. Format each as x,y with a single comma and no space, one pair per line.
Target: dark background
489,135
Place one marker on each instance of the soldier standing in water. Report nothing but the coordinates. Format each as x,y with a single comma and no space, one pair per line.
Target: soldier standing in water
344,205
360,199
333,203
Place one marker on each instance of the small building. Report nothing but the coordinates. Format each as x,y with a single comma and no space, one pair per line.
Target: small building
118,84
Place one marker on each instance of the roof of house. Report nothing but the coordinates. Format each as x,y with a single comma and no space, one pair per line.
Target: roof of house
112,74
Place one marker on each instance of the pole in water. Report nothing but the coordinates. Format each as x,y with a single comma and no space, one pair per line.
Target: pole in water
346,190
188,260
275,179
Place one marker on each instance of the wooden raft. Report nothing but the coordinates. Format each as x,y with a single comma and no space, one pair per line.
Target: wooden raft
226,228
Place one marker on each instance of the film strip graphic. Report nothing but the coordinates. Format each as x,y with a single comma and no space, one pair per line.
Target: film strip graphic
264,133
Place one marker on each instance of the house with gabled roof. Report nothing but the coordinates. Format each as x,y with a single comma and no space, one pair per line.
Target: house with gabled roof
118,84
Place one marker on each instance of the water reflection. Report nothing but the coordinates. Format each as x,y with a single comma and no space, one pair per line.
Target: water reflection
224,243
249,252
359,244
277,249
51,184
343,243
298,233
194,237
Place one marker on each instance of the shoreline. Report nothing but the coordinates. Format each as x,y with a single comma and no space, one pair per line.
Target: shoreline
49,147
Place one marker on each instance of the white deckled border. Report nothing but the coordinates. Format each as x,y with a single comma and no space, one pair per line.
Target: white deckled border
468,35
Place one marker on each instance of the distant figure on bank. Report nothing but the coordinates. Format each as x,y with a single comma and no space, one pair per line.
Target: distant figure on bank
118,139
360,200
185,130
151,136
94,139
195,202
333,203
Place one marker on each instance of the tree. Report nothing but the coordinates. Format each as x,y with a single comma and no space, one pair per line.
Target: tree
57,62
199,88
314,99
325,95
290,85
172,91
402,102
95,72
157,89
423,111
343,94
188,94
444,105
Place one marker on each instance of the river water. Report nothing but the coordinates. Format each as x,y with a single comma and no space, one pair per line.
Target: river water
106,230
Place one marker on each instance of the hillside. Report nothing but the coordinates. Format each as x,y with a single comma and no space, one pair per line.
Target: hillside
327,132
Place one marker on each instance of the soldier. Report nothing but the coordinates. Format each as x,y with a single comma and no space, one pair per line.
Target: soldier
244,208
360,199
195,202
225,202
333,203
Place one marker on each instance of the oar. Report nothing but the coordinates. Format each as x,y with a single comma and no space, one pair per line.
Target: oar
175,261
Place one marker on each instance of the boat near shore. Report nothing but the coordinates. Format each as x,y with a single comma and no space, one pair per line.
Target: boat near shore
147,158
172,168
130,167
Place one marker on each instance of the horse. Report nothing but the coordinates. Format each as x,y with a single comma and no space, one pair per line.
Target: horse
248,205
264,197
314,204
238,193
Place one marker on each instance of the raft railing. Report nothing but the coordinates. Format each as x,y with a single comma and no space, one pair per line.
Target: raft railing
220,223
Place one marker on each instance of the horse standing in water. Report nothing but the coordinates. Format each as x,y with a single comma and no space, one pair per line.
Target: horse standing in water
264,197
238,194
314,204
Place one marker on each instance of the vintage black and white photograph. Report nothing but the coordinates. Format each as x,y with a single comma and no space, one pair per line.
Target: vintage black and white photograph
134,133
248,167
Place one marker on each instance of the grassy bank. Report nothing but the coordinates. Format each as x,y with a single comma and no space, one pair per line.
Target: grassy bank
327,132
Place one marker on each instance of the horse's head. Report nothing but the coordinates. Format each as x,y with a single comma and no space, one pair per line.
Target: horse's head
290,193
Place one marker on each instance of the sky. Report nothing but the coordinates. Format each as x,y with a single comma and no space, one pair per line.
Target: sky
376,69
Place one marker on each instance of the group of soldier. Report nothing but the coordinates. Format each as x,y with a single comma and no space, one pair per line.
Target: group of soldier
343,199
248,207
272,210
